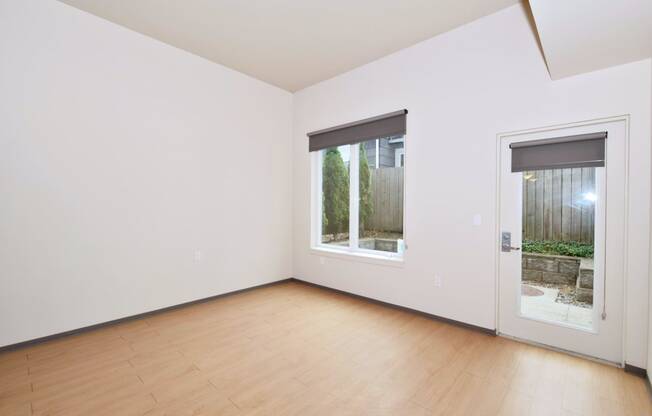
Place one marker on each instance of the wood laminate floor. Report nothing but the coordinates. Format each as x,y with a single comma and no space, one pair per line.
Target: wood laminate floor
293,349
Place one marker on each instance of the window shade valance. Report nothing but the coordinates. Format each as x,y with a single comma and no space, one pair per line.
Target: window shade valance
391,124
578,151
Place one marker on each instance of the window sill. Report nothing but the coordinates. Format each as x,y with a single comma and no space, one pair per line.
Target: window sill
357,256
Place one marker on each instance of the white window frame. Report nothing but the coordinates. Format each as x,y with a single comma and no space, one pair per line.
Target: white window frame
397,157
377,164
352,251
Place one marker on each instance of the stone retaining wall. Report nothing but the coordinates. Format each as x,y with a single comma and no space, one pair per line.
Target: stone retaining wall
381,244
552,269
584,291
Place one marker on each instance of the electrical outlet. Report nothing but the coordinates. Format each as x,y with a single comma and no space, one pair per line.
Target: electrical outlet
197,256
437,281
322,260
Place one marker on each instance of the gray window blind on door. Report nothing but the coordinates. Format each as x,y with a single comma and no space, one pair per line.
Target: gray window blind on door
578,151
386,125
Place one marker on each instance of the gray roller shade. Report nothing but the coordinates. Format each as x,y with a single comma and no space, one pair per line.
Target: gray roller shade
579,151
391,124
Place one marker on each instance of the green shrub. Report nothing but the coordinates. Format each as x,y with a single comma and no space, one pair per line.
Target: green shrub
562,248
366,203
335,190
324,219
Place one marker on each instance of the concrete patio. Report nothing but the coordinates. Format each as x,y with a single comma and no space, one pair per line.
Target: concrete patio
544,306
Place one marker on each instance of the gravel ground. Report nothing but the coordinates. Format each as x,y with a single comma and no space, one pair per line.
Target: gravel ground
566,294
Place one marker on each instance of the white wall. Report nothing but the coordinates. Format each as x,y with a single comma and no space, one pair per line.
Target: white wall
461,89
119,157
649,306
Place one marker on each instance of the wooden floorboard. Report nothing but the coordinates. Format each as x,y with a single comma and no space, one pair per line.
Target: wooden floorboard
294,349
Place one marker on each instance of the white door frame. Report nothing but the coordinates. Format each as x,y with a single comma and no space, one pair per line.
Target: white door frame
623,118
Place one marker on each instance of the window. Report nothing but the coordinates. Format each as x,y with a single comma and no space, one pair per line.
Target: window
358,186
361,207
399,157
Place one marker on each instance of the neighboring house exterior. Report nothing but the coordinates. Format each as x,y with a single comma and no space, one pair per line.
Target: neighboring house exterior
385,153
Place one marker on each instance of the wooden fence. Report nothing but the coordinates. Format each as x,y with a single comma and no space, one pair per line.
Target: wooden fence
557,205
387,197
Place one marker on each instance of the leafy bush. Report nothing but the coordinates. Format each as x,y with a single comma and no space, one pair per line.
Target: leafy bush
562,248
335,190
366,203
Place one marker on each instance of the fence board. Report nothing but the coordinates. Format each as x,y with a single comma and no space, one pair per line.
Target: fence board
387,196
576,208
555,206
566,205
547,202
538,204
530,205
587,213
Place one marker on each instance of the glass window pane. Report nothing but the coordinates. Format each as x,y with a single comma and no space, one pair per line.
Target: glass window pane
335,195
558,245
381,167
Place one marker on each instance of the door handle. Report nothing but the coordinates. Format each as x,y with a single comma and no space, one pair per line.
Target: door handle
506,242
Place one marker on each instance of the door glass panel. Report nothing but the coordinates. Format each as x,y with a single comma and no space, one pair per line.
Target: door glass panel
558,233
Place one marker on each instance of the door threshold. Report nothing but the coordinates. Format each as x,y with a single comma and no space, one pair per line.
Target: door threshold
556,349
